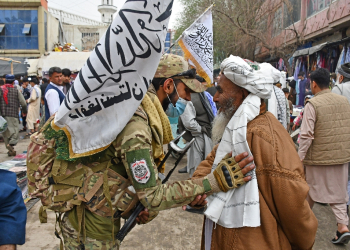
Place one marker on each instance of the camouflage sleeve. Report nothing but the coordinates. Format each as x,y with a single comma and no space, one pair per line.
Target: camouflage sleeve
134,146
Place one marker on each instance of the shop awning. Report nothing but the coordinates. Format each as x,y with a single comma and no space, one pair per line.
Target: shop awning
301,52
33,67
317,48
19,69
71,60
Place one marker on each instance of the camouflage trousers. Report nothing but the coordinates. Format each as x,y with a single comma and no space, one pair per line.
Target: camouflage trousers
71,240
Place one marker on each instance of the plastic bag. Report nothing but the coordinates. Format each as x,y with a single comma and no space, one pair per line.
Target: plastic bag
3,124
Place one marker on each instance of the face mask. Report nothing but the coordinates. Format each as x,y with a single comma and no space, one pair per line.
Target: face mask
178,109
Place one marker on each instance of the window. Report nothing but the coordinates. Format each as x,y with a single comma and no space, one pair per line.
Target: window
26,29
89,41
2,26
314,6
292,11
20,29
277,22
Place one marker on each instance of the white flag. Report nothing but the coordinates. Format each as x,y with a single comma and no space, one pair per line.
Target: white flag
197,44
114,80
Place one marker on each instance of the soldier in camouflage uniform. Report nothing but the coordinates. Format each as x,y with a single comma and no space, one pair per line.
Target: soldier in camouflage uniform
139,149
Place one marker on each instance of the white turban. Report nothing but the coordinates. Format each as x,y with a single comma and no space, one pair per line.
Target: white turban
258,82
240,207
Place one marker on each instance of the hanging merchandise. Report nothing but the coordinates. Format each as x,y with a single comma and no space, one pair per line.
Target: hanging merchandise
297,69
340,59
344,56
280,64
347,59
291,62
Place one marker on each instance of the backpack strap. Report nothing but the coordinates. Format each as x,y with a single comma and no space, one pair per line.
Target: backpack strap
108,195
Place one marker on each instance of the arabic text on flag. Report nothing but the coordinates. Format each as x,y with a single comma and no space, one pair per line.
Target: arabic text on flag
114,80
197,44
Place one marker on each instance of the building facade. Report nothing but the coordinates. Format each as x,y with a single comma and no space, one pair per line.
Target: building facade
84,37
171,46
26,28
316,21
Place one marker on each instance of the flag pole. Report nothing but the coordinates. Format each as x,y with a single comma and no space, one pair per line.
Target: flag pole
210,7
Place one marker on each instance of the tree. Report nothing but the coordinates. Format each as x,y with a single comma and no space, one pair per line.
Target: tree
248,28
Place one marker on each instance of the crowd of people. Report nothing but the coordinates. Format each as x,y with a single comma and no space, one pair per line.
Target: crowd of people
29,98
245,174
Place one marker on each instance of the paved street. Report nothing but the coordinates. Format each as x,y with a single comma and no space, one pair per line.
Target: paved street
172,229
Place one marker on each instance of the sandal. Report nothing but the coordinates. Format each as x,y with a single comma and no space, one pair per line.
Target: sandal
342,238
11,151
29,134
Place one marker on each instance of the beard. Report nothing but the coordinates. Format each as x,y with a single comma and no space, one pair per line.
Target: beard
221,120
337,81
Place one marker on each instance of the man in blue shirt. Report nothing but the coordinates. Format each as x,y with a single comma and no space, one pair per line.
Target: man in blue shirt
54,95
13,212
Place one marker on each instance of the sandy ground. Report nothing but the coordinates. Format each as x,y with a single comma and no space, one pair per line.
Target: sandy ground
172,229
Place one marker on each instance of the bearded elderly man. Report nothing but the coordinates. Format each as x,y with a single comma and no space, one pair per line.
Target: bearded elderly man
271,211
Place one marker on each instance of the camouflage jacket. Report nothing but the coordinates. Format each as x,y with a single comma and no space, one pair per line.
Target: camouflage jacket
134,149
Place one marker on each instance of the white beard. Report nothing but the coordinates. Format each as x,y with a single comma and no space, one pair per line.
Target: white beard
219,124
337,81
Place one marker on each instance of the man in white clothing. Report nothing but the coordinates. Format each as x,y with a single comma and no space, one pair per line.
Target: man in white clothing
54,95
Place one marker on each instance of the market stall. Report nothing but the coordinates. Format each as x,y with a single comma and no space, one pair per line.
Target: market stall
325,55
33,67
73,61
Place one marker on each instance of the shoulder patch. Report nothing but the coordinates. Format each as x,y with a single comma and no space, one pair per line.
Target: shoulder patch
141,168
140,171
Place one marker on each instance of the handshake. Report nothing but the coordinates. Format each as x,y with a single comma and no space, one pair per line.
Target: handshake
230,172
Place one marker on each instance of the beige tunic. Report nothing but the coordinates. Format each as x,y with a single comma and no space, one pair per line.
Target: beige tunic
328,184
33,108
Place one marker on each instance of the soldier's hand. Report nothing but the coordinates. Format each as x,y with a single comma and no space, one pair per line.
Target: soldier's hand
142,218
199,202
230,172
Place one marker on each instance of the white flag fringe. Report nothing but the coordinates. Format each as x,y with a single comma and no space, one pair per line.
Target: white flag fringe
114,80
197,44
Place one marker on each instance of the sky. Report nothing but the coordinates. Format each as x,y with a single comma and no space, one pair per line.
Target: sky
88,8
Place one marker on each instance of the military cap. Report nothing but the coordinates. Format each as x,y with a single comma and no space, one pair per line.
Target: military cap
174,66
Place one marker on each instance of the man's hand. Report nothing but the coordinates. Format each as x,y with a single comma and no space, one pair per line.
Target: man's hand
294,127
230,172
199,202
142,218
